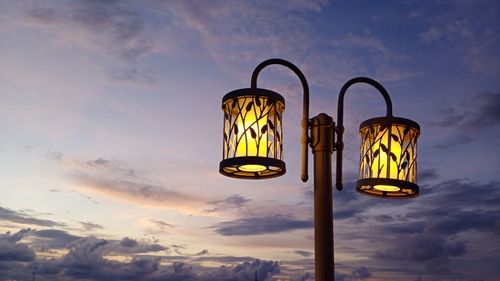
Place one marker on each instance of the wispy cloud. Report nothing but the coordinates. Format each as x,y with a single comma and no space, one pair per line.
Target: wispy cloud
89,226
469,119
23,218
261,225
116,180
472,34
162,224
232,202
474,113
116,27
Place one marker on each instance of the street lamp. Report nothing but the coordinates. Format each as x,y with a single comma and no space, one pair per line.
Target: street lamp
253,145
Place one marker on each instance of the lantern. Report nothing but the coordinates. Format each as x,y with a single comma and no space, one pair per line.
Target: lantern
252,141
388,160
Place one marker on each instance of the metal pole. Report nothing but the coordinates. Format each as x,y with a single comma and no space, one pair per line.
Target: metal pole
322,136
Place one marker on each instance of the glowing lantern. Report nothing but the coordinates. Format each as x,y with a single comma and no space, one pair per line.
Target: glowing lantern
388,162
252,141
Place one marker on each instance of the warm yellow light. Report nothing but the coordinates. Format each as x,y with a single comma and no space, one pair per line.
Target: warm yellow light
252,130
387,156
252,168
386,188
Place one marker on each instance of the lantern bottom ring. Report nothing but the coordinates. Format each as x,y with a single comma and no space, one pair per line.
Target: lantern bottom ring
389,188
252,167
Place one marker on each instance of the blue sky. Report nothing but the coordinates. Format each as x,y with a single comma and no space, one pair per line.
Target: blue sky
111,134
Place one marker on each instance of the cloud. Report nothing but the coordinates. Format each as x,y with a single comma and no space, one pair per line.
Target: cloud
469,119
86,259
303,253
235,201
131,246
12,251
52,239
418,247
117,180
261,225
22,218
360,273
478,112
162,224
117,28
267,29
452,220
427,175
463,25
88,226
114,28
241,36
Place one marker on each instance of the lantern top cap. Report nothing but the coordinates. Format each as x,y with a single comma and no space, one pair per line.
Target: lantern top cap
390,120
253,92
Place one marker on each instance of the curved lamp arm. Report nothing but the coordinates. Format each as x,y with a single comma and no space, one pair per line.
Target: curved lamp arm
305,111
339,145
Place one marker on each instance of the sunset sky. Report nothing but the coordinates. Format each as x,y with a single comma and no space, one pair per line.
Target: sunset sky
111,137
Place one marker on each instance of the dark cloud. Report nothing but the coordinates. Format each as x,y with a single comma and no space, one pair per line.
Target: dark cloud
202,253
88,226
440,227
456,141
162,224
360,273
13,251
478,112
303,253
224,259
470,118
22,218
128,243
52,238
427,175
235,201
261,225
418,247
86,260
131,246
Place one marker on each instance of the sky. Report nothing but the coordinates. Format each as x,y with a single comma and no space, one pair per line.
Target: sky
111,137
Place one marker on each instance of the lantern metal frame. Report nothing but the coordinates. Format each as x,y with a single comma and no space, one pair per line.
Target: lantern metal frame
324,137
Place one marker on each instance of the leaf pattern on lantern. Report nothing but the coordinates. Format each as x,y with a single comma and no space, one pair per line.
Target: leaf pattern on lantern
404,164
249,106
384,148
252,132
252,122
395,138
257,101
393,156
375,144
270,123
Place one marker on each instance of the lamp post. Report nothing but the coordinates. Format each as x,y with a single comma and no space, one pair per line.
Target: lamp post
253,145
